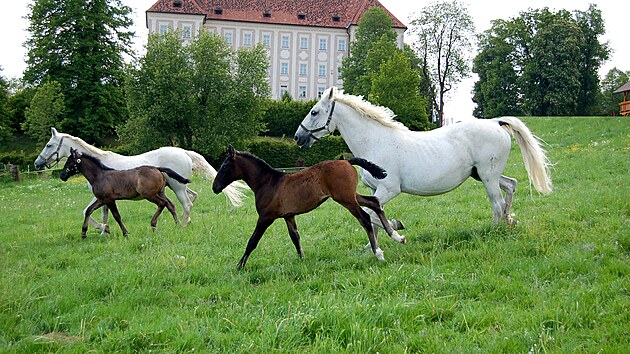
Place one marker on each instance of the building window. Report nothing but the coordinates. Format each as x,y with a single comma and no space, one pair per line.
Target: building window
302,69
302,92
267,14
322,70
218,11
341,45
301,16
336,19
247,39
267,40
320,91
323,44
228,38
283,90
285,41
303,42
163,29
186,32
284,68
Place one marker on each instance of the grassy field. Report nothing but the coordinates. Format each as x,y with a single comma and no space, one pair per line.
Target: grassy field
557,282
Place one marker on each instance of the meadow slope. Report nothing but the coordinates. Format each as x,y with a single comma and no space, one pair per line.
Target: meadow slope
557,282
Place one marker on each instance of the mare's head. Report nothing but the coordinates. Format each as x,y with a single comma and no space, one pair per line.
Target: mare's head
72,166
229,172
54,150
317,124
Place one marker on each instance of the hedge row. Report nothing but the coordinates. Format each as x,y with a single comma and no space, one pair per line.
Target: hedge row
21,158
284,153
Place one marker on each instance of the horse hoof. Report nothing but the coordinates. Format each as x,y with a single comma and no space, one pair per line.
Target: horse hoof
403,240
379,255
397,224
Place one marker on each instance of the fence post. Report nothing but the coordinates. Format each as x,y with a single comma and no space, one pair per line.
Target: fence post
15,172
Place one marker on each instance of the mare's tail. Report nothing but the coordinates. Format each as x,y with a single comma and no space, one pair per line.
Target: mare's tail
534,158
233,191
176,176
375,170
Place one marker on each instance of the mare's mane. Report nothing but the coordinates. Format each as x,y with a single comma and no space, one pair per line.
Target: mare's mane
92,150
380,114
96,161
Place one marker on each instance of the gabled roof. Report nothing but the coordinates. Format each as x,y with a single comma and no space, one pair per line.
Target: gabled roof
624,88
321,13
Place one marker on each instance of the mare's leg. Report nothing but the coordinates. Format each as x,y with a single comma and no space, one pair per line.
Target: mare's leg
509,186
88,211
192,195
295,236
496,198
116,215
181,191
373,203
385,194
364,219
97,225
261,227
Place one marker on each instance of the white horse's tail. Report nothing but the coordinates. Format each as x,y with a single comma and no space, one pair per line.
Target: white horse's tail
534,157
233,191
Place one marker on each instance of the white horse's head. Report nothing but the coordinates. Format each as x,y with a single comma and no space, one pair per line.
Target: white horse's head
318,123
54,150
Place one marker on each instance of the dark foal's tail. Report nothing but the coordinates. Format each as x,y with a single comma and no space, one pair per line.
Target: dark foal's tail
174,175
375,170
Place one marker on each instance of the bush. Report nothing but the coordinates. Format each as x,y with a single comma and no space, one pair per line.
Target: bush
282,118
285,153
20,158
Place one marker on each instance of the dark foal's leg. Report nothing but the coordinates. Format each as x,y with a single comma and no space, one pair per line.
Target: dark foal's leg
114,209
373,203
261,227
295,236
366,222
88,211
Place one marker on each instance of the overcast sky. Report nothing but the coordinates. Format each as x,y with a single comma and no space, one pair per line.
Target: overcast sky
458,105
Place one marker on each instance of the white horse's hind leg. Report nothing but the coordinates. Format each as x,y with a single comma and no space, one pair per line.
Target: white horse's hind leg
192,195
496,199
181,191
509,186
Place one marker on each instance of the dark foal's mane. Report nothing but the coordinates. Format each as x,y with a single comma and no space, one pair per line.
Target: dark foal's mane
97,162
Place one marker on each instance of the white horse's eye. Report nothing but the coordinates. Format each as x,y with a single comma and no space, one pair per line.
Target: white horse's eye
48,145
313,112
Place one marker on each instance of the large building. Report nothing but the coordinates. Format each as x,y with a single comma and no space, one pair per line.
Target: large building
307,39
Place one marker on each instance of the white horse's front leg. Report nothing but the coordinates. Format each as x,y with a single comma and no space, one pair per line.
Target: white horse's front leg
384,195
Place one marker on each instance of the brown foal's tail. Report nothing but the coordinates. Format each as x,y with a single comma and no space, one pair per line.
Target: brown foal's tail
375,170
176,176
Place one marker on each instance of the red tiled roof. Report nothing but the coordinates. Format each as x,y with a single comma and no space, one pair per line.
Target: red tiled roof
322,13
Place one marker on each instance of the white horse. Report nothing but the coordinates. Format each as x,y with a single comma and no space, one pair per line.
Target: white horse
184,162
431,162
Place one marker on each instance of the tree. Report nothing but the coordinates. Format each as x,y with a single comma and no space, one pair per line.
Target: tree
444,37
198,96
373,26
540,63
397,86
46,108
80,44
6,132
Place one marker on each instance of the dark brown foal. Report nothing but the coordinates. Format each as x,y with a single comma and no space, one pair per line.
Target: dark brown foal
109,185
282,195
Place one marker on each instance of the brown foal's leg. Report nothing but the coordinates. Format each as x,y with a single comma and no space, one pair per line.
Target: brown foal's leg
295,236
373,203
261,227
364,219
114,209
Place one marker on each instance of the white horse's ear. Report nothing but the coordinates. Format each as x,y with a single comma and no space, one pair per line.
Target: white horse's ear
53,130
331,92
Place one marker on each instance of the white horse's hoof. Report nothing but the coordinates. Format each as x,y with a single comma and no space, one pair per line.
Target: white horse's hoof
379,254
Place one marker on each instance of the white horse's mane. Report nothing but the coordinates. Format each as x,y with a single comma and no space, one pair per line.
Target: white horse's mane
380,114
91,150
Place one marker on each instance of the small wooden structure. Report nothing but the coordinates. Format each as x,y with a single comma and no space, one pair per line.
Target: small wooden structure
624,106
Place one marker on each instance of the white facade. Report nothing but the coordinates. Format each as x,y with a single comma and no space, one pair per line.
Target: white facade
304,60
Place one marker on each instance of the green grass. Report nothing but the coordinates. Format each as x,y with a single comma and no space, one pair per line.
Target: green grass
557,282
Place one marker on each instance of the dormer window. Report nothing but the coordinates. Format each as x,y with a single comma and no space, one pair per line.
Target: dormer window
267,14
301,16
177,4
218,11
336,19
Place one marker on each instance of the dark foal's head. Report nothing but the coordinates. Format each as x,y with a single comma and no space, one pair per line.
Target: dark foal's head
72,166
228,173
